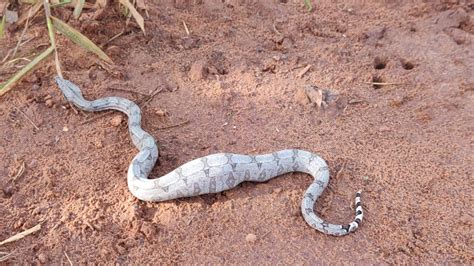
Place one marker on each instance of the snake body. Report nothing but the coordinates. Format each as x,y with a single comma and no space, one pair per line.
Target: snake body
213,173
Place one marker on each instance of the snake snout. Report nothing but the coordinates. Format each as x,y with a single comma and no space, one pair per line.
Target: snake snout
69,89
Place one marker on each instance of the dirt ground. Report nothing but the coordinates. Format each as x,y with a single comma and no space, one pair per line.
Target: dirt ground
235,84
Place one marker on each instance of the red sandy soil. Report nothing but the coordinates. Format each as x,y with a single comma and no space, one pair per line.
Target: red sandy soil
235,85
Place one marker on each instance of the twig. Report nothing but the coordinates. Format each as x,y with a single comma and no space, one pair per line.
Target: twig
113,38
68,259
340,170
186,28
301,74
173,126
20,171
130,91
22,33
21,235
275,29
6,57
73,108
37,128
7,256
147,99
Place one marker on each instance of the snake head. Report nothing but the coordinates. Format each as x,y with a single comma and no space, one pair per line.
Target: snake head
70,90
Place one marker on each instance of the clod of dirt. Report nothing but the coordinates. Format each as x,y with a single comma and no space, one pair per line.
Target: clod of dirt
42,258
198,70
49,103
8,191
459,36
149,230
375,34
451,19
250,238
310,95
116,120
160,112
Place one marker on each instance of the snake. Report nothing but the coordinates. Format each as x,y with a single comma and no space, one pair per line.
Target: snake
212,173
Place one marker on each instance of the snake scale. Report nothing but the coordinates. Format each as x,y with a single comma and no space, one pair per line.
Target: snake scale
213,173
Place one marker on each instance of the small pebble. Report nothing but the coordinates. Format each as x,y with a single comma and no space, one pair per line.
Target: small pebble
116,120
251,238
42,258
65,129
8,191
160,112
49,103
198,70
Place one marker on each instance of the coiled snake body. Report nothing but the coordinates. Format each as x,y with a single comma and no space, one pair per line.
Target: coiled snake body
213,173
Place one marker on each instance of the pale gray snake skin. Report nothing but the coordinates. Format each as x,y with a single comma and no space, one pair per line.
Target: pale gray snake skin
213,173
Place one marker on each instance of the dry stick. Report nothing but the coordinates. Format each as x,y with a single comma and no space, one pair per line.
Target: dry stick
185,27
340,170
20,171
73,108
145,101
114,37
7,256
304,71
173,126
22,33
21,234
37,128
68,259
275,29
130,91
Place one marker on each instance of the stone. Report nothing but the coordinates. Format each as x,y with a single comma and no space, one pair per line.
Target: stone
250,238
198,70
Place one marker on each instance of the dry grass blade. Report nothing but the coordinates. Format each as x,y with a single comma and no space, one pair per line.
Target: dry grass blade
134,13
61,4
2,26
68,259
20,171
7,256
100,4
21,235
52,37
78,8
8,85
79,39
29,2
29,15
308,5
22,33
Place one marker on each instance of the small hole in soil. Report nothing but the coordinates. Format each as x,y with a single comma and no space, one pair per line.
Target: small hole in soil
375,80
407,65
380,62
